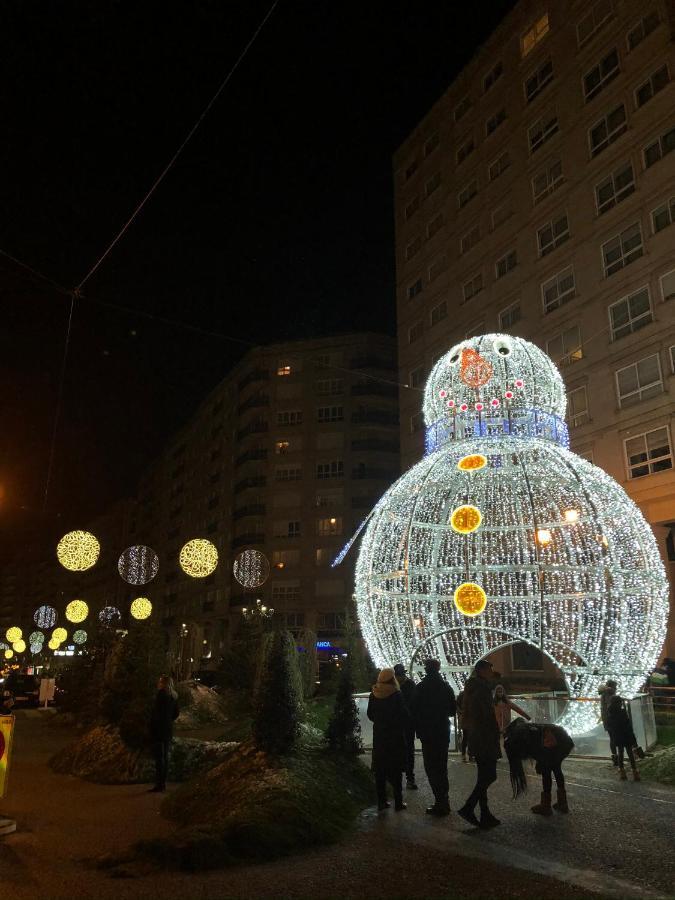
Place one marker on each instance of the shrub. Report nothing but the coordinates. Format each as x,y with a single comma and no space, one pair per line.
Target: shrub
278,700
344,729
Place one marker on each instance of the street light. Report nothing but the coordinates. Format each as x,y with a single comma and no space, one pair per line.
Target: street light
259,611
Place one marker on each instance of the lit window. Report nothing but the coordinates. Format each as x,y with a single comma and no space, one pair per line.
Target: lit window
492,76
289,417
577,407
330,414
649,88
415,288
663,215
639,381
643,29
648,453
509,316
415,332
615,188
465,149
546,181
558,290
468,193
329,526
282,446
668,285
472,287
283,558
323,556
462,108
552,234
601,75
283,369
493,123
622,250
593,21
438,312
630,313
506,263
607,130
542,131
659,148
536,83
470,239
565,347
533,35
499,166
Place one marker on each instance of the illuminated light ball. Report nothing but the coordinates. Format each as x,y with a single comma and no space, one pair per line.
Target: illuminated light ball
494,403
138,564
77,611
198,558
13,634
465,519
544,536
59,634
36,647
251,568
9,653
472,462
19,646
109,615
54,644
79,636
78,551
141,608
571,516
36,637
45,617
470,599
442,394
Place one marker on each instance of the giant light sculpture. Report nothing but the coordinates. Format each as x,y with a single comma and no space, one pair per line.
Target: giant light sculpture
501,534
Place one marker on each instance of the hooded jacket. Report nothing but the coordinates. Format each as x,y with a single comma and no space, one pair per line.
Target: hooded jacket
479,720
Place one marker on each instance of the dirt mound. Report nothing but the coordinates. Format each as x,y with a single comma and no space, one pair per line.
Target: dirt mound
660,767
199,706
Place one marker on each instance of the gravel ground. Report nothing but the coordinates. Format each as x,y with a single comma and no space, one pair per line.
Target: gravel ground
618,841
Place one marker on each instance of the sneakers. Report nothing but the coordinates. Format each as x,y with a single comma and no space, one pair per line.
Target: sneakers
469,816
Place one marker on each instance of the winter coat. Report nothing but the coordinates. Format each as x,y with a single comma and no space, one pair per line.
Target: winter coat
164,713
620,727
389,717
606,693
479,719
407,688
433,703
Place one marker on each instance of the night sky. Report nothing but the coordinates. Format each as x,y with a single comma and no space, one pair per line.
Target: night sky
276,221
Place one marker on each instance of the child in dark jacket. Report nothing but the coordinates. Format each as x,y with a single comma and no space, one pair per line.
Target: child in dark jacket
621,734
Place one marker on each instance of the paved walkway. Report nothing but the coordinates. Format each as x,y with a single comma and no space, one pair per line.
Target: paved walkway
616,842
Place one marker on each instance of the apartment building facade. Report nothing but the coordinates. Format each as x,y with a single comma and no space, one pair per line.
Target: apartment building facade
537,198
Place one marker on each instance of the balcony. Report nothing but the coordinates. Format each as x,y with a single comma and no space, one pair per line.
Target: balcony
253,509
379,444
257,400
249,455
255,427
375,417
253,537
254,375
374,389
253,481
361,472
373,362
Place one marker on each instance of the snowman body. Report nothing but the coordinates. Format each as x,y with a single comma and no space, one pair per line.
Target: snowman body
501,534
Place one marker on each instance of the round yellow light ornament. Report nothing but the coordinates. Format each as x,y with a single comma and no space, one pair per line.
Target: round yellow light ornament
14,634
472,462
141,608
54,644
19,646
78,551
59,634
9,654
466,519
470,599
77,611
198,558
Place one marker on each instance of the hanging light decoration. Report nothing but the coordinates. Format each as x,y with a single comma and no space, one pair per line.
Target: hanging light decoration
78,551
8,653
60,635
13,634
138,565
251,568
77,611
54,644
79,636
36,647
109,615
141,608
198,558
19,646
45,617
36,637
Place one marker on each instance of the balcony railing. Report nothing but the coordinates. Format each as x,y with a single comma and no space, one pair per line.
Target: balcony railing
254,537
253,509
253,375
248,455
375,417
253,428
253,481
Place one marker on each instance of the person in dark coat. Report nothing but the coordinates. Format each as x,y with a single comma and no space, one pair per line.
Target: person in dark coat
433,705
479,720
164,713
407,686
607,691
389,715
548,745
622,735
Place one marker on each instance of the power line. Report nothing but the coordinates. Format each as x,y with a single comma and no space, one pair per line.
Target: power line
59,401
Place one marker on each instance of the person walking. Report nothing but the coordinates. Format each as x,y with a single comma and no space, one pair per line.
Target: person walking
503,709
164,713
389,715
483,732
622,736
607,691
407,686
433,705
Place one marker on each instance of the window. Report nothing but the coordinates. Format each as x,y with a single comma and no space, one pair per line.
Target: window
593,21
431,143
410,171
668,285
542,131
327,386
649,88
639,381
509,316
467,194
663,215
466,149
470,239
499,166
533,35
630,313
416,377
415,288
493,123
462,108
295,619
288,473
648,453
282,447
553,234
536,83
330,497
622,250
601,75
289,417
330,414
326,527
659,148
643,29
558,290
432,184
526,658
577,407
607,130
493,76
287,529
285,593
283,558
283,369
417,422
323,556
415,332
506,263
546,181
435,225
333,469
411,208
565,347
472,287
501,214
615,187
439,312
330,621
413,248
436,267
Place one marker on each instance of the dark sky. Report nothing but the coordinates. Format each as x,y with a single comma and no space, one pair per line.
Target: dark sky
275,222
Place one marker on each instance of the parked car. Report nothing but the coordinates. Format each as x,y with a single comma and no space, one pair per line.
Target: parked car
24,689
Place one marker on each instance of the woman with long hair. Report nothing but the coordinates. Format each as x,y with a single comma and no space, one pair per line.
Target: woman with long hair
548,746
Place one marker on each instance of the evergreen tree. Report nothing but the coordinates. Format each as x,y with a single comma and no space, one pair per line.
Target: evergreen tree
344,729
278,708
362,670
307,662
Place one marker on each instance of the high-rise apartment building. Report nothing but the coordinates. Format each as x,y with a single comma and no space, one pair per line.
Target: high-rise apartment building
537,197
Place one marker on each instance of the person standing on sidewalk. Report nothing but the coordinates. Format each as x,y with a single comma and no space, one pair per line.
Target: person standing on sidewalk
622,736
407,686
607,691
164,713
503,709
389,715
483,732
433,705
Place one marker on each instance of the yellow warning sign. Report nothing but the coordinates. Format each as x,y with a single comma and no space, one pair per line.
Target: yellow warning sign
6,732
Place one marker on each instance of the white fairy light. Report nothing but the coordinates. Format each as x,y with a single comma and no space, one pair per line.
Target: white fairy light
566,559
138,564
251,568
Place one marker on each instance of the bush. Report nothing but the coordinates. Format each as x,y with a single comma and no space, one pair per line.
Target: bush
344,729
278,707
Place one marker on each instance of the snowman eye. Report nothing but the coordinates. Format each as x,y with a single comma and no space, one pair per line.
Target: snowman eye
456,356
502,347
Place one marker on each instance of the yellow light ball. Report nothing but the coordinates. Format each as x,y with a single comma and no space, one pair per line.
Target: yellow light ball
54,644
466,519
198,558
78,551
472,462
14,634
77,611
19,646
9,654
59,634
470,599
141,608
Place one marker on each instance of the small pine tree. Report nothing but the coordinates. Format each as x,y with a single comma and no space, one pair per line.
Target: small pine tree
307,662
344,729
278,706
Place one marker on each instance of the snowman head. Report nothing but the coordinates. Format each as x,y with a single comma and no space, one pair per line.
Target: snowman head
493,376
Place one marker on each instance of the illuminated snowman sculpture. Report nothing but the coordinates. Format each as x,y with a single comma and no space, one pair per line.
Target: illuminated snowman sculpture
502,534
